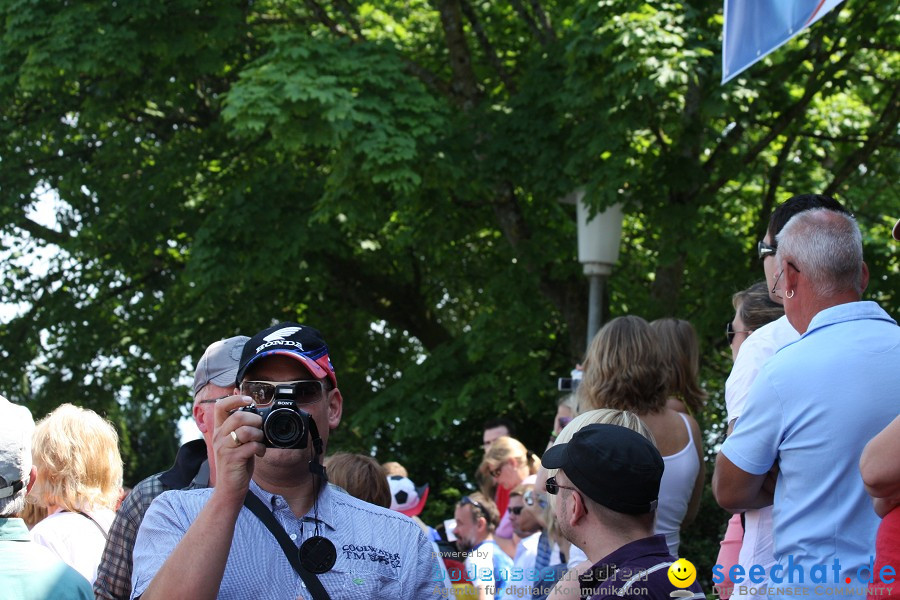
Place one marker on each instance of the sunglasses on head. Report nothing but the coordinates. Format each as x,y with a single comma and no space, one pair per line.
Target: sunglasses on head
730,332
474,504
763,249
530,496
302,391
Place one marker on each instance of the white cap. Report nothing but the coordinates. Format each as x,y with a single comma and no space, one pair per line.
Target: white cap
16,428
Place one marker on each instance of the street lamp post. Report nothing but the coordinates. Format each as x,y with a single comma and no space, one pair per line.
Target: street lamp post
598,251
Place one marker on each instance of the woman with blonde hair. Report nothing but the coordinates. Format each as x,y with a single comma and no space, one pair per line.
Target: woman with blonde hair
622,371
681,359
509,464
79,479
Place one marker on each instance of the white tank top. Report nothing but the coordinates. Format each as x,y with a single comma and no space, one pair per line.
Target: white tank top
676,488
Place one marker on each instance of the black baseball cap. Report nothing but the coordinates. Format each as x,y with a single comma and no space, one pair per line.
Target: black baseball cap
612,465
300,342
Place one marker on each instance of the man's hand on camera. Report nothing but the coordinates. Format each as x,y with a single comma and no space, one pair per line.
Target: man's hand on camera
237,440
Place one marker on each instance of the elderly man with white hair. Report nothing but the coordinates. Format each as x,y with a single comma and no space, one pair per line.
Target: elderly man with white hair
812,409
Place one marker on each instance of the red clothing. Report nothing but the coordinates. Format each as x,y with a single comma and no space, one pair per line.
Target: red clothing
501,499
887,552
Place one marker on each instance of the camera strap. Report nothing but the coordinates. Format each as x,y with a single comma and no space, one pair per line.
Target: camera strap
291,552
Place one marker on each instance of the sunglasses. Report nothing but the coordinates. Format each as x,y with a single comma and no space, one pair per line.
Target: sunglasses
778,278
496,472
763,249
530,496
474,504
303,391
553,487
515,510
730,332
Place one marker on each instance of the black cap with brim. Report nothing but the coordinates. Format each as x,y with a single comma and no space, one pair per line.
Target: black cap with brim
612,465
299,342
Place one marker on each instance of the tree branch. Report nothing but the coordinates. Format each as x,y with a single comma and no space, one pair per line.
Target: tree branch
813,86
520,8
349,14
36,230
323,18
568,297
549,34
464,86
486,46
775,182
886,126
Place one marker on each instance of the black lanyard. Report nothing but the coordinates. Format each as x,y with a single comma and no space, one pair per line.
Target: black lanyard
92,520
259,509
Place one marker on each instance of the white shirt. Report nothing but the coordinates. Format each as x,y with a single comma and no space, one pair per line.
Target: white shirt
755,351
758,546
523,576
75,539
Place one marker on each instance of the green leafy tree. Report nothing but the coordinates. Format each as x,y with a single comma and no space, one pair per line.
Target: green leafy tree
390,173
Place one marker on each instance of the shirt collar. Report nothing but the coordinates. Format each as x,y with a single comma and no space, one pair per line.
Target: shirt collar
323,509
605,568
14,530
849,311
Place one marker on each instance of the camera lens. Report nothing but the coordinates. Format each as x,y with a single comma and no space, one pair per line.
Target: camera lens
284,428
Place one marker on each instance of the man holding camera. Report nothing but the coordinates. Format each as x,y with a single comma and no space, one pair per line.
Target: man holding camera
272,527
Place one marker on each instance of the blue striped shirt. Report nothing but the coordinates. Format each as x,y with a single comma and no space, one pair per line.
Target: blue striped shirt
380,553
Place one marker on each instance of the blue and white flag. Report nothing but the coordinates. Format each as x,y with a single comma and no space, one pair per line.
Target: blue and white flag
754,28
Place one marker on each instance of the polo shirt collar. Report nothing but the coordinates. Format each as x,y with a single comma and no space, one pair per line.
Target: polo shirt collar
324,508
849,311
14,530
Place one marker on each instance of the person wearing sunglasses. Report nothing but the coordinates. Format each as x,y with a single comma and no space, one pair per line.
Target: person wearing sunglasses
487,565
299,537
528,529
612,523
753,309
815,404
755,351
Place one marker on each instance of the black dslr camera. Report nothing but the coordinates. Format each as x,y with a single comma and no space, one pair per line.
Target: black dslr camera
284,425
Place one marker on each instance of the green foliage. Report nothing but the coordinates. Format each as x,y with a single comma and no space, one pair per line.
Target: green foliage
390,172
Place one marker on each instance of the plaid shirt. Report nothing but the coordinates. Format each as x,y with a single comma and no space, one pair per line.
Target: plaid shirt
190,472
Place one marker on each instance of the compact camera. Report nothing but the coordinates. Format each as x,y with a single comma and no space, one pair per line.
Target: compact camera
567,384
284,425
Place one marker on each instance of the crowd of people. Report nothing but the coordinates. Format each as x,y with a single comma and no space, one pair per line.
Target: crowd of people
258,509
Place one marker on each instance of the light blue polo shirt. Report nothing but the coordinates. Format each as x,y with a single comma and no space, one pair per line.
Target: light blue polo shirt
811,410
380,553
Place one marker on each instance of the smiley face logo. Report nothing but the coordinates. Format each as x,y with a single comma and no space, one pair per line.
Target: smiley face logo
682,573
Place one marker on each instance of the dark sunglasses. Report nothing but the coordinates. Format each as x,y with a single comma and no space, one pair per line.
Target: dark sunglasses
304,391
496,472
515,510
763,249
553,487
474,504
730,332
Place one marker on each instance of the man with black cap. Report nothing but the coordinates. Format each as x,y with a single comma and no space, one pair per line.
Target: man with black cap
607,490
272,527
213,379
